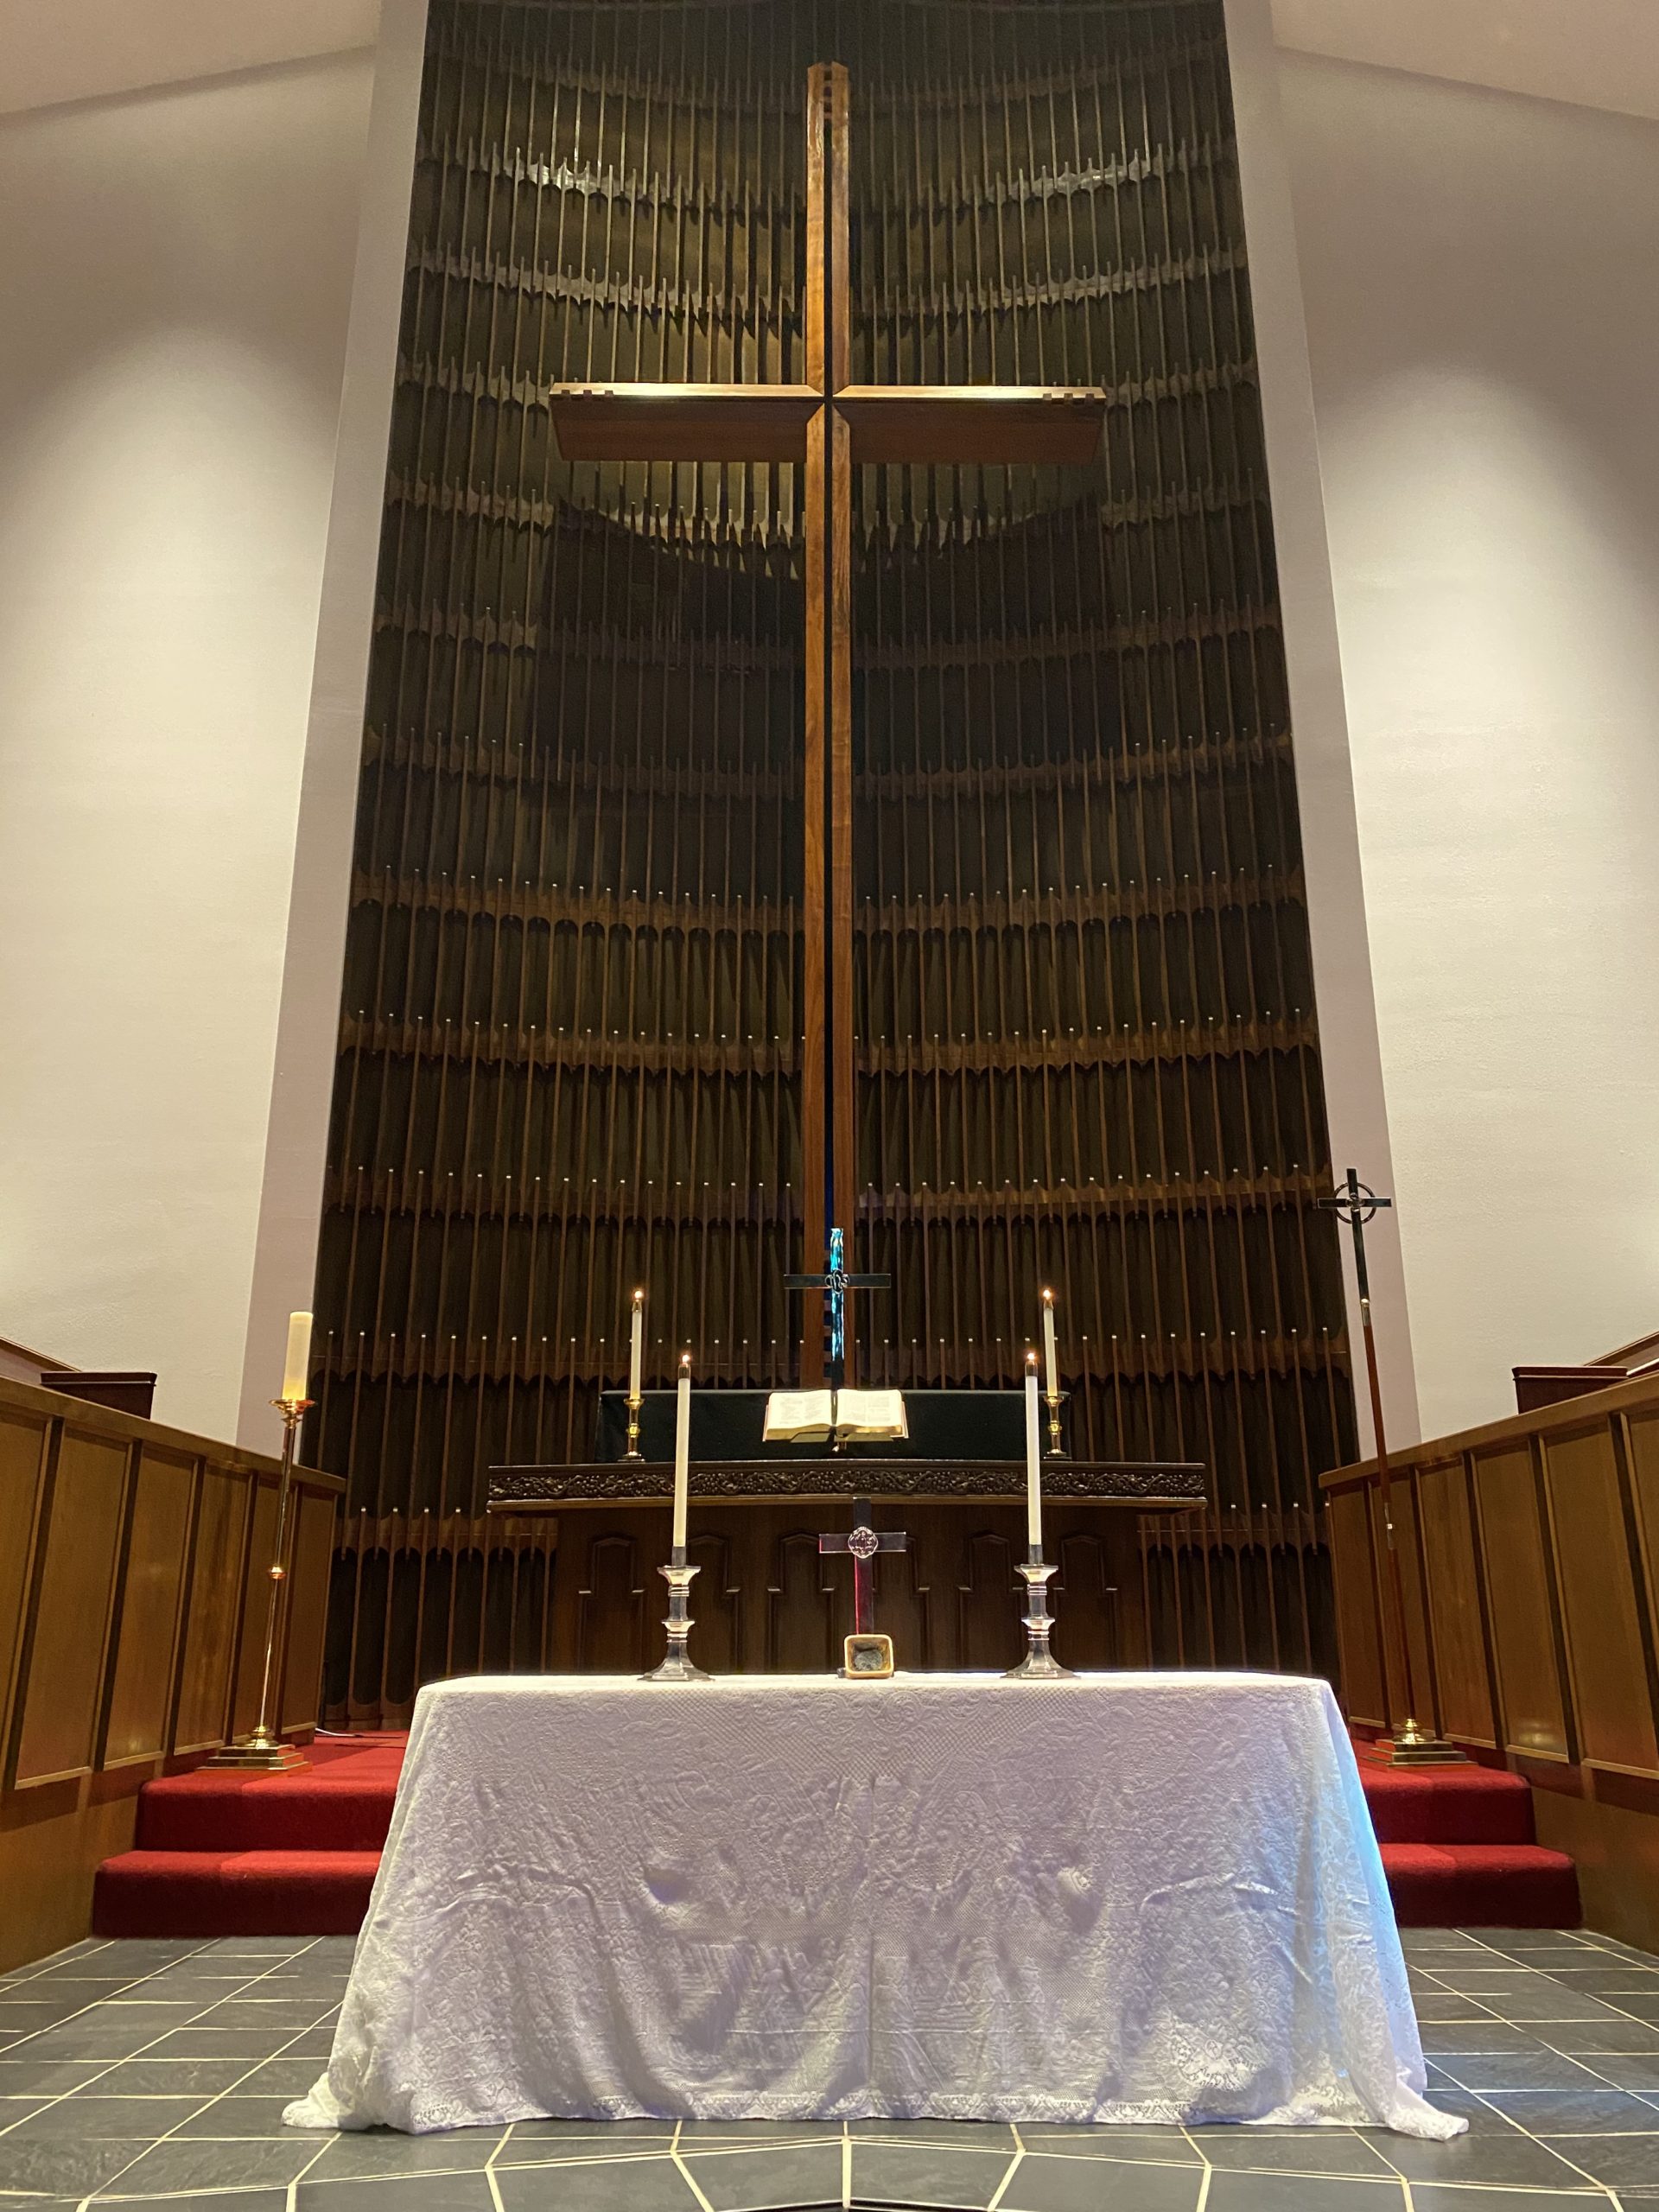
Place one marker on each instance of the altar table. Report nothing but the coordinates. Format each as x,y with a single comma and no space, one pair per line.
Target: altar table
1128,1897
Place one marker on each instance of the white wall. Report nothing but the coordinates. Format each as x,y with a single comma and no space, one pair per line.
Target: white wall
175,277
1481,278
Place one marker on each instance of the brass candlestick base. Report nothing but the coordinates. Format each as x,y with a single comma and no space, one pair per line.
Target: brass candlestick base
675,1667
265,1751
1039,1664
1412,1745
633,1452
1055,1450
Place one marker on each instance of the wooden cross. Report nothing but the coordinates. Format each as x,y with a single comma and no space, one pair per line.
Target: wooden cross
864,1542
828,425
835,1282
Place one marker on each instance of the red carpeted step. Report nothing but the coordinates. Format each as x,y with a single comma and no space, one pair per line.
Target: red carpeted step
200,1893
341,1801
1464,1804
1481,1885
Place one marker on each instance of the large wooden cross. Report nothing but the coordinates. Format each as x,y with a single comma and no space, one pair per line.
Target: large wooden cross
829,425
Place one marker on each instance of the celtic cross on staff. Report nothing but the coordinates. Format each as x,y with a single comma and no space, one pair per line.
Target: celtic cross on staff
863,1542
1355,1202
828,424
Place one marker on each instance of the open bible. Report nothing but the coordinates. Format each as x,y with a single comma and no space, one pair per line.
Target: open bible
846,1417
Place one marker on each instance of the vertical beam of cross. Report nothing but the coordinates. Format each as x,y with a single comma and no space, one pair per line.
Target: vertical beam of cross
829,427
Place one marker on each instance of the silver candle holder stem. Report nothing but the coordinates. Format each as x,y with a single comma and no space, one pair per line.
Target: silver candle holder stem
676,1666
1039,1663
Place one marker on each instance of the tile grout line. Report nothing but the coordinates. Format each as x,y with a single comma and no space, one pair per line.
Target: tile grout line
105,2188
1014,2166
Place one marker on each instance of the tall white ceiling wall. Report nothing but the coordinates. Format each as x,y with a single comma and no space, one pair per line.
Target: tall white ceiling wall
1478,271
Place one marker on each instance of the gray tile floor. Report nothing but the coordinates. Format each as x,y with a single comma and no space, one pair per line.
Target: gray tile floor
153,2074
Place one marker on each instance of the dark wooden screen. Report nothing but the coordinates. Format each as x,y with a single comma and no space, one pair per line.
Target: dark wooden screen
1086,1038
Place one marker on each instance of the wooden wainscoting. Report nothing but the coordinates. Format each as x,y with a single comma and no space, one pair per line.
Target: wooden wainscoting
133,1584
1529,1552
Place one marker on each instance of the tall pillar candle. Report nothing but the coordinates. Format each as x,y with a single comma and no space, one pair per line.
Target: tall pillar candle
1034,1460
297,1368
1052,1365
636,1350
682,1450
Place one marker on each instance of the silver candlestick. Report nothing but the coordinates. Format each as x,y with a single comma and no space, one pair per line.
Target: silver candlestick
1039,1663
675,1667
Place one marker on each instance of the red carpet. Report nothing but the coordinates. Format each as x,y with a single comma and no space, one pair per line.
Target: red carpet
224,1854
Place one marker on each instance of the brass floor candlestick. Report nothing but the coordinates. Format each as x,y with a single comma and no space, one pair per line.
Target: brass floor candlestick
1039,1664
676,1666
265,1751
1411,1744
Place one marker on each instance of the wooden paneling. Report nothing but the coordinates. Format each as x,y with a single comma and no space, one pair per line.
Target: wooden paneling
216,1592
1539,1533
23,1447
70,1613
124,1598
1354,1558
1513,1536
579,992
1462,1673
152,1590
307,1608
256,1594
1598,1568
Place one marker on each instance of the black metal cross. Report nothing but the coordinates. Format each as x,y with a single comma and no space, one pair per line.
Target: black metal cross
835,1282
1357,1202
864,1542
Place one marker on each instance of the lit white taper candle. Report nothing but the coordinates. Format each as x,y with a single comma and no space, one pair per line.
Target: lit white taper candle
1051,1362
1034,1460
297,1368
636,1351
682,1450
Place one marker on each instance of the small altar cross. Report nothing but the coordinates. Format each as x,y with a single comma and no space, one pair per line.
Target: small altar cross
835,1282
864,1542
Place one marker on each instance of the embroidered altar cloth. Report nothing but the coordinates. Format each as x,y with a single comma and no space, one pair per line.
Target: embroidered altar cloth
1126,1897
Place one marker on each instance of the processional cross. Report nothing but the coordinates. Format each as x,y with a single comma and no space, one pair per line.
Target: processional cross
829,425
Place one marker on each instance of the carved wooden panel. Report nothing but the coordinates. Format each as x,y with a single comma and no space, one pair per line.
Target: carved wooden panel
158,1546
58,1727
1463,1675
1608,1641
1524,1628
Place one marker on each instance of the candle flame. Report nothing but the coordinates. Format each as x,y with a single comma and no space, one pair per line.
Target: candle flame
1048,1298
685,1359
1030,1360
638,1297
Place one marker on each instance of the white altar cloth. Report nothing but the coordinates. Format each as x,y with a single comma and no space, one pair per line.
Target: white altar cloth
1126,1897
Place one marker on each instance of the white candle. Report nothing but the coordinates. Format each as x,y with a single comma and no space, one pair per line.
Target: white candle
1034,1460
1051,1362
682,1450
637,1350
297,1368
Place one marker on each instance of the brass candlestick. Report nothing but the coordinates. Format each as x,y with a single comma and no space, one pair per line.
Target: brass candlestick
1056,1449
1039,1664
634,1404
265,1751
676,1666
